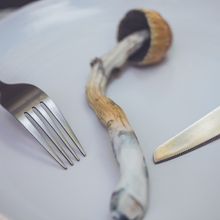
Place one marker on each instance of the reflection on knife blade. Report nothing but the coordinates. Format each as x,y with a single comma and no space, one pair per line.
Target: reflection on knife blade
202,131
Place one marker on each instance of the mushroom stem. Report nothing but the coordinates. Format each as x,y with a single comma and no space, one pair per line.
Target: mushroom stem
129,200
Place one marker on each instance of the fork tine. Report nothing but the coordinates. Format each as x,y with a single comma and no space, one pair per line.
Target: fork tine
40,110
46,132
52,108
35,133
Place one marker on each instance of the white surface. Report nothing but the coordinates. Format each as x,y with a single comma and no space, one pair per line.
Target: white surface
51,44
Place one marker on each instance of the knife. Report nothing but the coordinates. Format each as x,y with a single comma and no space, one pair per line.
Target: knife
199,133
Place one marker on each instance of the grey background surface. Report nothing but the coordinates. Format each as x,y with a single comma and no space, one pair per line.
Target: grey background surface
51,44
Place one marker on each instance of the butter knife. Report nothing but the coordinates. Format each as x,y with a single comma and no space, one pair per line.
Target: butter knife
199,133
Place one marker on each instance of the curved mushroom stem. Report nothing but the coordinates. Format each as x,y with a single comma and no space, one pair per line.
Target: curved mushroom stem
129,200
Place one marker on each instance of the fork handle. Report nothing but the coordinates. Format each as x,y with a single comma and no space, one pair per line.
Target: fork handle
2,85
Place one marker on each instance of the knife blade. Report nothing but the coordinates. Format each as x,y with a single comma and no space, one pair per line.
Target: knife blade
195,135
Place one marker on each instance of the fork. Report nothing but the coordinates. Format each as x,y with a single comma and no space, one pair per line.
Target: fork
42,118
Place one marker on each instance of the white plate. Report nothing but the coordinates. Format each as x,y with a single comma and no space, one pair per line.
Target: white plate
51,44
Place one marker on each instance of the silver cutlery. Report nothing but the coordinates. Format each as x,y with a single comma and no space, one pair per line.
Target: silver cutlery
42,118
199,133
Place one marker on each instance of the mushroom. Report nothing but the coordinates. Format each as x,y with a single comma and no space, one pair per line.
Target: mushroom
144,38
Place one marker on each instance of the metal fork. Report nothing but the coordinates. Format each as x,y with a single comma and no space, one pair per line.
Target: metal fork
41,117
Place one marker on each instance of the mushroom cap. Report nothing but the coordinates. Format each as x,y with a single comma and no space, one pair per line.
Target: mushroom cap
155,47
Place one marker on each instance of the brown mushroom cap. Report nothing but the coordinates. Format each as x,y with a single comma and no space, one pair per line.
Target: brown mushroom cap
154,48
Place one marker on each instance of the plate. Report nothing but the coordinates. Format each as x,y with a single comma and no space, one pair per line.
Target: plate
50,44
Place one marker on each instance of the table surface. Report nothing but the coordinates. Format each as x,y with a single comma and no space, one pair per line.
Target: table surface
50,44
